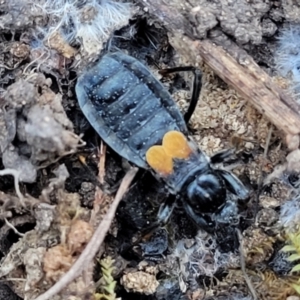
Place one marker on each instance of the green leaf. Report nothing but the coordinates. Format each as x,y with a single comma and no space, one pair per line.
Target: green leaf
296,288
294,257
259,250
296,268
101,297
288,248
110,288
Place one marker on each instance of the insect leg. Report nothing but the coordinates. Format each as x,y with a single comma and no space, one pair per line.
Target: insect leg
222,156
163,215
166,209
197,84
199,219
234,185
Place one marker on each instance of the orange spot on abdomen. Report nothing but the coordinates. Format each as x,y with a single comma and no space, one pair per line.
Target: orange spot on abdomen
174,145
159,160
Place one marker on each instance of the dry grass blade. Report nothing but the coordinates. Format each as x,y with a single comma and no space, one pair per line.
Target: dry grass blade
16,175
101,164
13,228
261,178
92,247
243,266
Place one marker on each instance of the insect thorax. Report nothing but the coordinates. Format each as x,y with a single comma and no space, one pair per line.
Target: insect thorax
185,171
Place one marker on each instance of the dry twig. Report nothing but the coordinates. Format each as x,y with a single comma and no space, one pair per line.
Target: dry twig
92,247
234,66
251,82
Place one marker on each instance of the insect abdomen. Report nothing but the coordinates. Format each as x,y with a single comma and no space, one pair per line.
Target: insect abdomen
127,106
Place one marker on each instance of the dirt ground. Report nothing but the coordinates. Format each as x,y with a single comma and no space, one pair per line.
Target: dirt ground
58,178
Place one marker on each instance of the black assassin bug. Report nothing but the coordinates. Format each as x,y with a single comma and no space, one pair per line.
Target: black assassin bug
136,116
